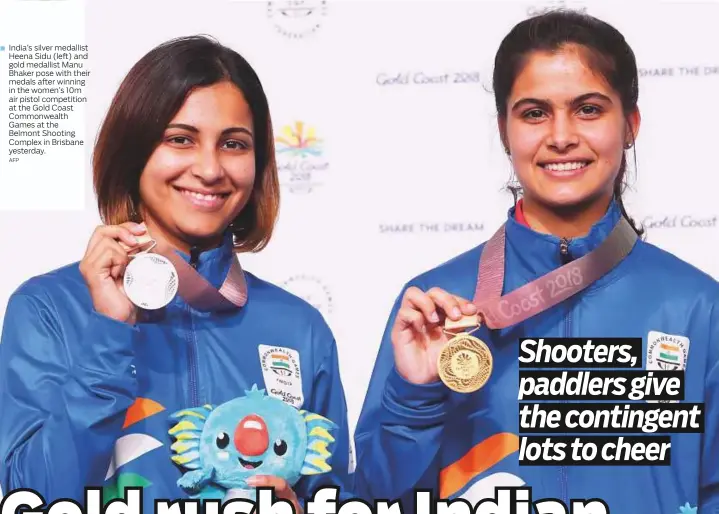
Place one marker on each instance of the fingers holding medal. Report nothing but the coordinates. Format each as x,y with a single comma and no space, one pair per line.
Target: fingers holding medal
431,309
103,266
417,334
423,352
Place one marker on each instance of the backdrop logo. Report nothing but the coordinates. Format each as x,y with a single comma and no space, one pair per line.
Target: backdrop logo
553,5
312,290
687,221
297,19
431,227
427,78
678,71
300,157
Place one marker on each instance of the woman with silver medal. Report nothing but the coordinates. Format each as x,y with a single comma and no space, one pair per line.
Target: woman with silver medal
442,412
104,360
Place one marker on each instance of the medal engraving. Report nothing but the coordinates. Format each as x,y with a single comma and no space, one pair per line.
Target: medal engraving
150,281
465,364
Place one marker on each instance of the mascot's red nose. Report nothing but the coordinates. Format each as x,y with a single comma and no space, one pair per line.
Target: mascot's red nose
251,437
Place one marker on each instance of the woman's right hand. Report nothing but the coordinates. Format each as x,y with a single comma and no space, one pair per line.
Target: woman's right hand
417,335
103,268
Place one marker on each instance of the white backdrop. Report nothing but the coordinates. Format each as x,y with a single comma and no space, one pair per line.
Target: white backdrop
407,174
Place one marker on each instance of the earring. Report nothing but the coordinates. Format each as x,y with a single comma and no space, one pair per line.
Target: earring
133,212
233,233
627,145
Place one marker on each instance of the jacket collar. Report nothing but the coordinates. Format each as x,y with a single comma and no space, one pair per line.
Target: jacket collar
213,264
537,254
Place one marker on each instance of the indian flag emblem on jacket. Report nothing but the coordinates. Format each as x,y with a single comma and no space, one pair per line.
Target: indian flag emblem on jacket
280,364
668,356
666,351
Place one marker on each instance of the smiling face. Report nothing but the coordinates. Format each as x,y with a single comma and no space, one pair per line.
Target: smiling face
202,173
565,130
243,438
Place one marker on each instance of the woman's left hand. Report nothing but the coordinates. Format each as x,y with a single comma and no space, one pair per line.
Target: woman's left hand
281,487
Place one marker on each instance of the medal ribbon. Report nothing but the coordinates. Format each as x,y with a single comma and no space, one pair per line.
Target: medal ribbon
196,290
199,293
498,311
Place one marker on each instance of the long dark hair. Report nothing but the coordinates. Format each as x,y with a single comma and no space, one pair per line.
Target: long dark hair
608,54
151,94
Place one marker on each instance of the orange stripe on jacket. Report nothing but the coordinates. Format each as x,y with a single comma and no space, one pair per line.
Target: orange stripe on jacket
143,408
476,461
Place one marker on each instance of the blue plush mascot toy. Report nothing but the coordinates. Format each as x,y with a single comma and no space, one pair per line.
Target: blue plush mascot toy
220,447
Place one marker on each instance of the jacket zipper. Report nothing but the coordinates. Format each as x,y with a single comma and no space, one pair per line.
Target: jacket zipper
194,256
564,250
565,258
192,342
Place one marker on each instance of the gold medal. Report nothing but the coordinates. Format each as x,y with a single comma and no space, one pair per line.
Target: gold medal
465,363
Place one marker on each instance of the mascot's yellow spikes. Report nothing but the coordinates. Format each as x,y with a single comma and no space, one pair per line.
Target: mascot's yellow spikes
320,447
322,433
183,425
181,459
182,447
186,436
321,464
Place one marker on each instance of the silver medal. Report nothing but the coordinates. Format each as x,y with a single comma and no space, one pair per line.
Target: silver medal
150,281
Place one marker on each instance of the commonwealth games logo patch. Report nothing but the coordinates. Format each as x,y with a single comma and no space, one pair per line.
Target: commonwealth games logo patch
666,351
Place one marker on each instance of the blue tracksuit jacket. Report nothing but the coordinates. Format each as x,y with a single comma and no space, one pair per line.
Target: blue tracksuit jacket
460,446
86,400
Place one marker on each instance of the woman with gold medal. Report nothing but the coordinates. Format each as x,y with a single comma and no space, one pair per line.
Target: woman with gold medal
442,411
